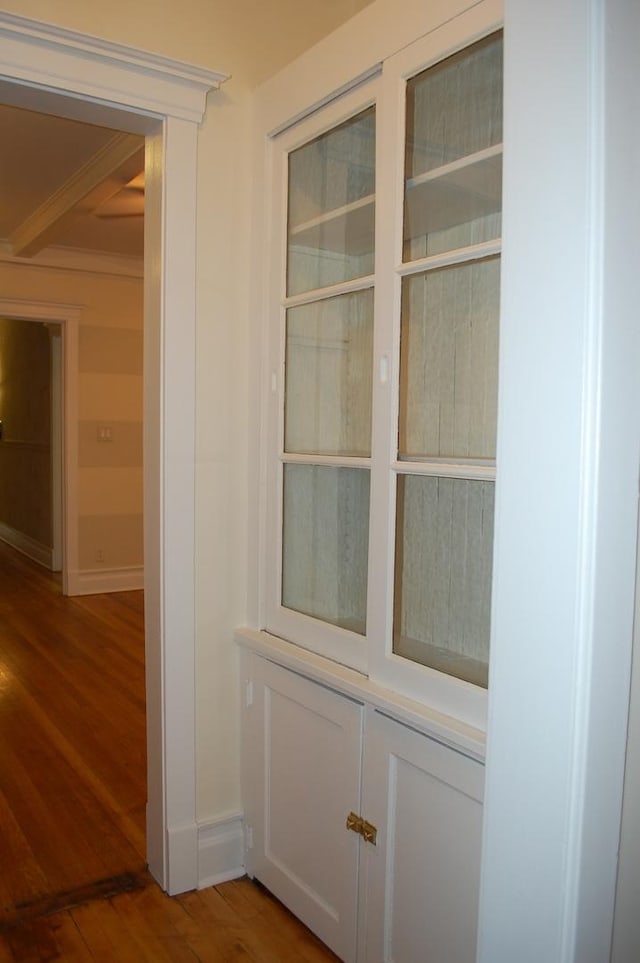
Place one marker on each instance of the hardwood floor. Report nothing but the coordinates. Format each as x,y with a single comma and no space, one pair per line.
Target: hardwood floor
73,881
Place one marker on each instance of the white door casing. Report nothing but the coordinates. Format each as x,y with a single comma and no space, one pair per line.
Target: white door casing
57,448
59,71
66,362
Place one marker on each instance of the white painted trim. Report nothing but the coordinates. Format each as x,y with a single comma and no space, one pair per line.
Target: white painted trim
57,447
170,388
569,400
221,850
97,581
74,259
68,316
36,551
350,53
182,857
443,728
115,73
89,79
626,930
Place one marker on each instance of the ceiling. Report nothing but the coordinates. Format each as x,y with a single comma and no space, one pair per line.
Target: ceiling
63,183
69,184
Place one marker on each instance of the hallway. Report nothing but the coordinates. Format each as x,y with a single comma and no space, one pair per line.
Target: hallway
73,881
72,747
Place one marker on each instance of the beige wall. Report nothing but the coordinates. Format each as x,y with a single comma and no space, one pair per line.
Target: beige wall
25,412
110,397
250,41
109,504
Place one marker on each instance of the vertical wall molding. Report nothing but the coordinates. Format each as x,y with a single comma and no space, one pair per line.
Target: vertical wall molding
566,510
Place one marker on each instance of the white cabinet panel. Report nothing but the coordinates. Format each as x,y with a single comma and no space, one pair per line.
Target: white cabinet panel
304,753
422,877
311,756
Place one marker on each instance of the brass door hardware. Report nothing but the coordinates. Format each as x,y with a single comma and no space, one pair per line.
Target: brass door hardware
369,832
365,829
354,823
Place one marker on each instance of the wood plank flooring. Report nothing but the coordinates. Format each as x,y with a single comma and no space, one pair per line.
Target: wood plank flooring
73,880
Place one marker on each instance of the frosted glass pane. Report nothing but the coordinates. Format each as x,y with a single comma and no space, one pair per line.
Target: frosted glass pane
444,549
332,207
455,107
449,361
325,543
453,164
328,376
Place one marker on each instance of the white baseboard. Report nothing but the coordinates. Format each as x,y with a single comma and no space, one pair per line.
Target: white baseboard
98,581
26,545
220,850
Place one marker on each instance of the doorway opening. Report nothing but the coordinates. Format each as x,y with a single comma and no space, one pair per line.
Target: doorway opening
59,552
31,439
63,72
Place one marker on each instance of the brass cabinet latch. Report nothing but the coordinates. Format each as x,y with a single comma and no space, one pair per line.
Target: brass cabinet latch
369,832
365,829
354,823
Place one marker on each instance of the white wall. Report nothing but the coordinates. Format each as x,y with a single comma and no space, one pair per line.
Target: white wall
250,40
106,515
221,441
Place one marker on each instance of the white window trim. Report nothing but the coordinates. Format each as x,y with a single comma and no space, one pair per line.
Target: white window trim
322,637
444,693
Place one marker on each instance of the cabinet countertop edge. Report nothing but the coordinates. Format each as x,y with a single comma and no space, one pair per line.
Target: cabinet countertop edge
444,729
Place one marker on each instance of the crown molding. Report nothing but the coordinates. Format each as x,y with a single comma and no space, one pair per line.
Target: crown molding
158,84
74,259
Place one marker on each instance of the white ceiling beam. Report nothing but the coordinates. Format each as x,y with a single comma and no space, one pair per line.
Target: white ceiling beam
102,176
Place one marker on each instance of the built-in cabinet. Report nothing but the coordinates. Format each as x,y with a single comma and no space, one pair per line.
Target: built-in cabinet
365,827
381,369
421,879
381,298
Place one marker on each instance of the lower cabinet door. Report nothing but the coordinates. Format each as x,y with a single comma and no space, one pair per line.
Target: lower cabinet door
402,888
301,772
420,880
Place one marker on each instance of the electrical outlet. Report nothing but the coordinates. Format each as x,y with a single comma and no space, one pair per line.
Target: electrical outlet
105,433
99,555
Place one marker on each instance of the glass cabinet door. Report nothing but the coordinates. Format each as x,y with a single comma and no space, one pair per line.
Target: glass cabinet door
453,155
331,204
449,363
382,436
328,357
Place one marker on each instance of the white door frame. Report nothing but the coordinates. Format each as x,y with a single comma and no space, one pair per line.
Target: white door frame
68,317
63,72
56,461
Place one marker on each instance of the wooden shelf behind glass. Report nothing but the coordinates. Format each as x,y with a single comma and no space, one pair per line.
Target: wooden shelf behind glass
456,193
345,230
